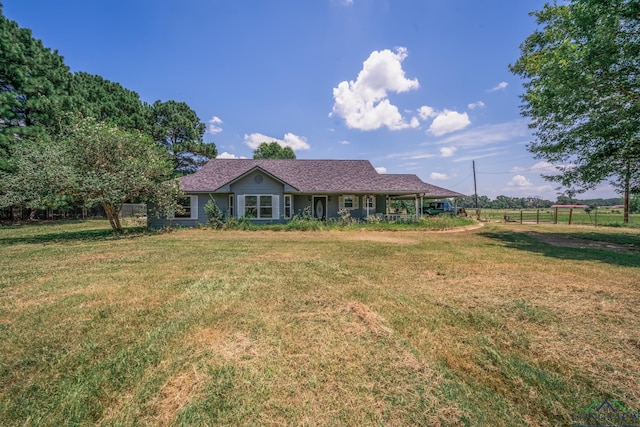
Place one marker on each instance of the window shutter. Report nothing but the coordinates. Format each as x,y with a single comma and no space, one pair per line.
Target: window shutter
276,207
240,207
194,207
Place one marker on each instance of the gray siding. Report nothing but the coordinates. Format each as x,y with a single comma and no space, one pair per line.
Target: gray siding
258,183
222,200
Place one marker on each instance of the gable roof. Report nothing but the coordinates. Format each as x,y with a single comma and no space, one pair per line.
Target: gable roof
312,176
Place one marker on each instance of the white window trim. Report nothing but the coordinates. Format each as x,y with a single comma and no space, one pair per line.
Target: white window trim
275,206
290,197
193,201
354,198
372,199
231,206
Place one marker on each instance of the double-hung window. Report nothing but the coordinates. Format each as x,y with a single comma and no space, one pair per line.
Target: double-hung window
258,206
189,205
348,202
369,202
288,206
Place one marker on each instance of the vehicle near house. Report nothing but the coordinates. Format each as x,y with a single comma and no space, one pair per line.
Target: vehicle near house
274,190
438,208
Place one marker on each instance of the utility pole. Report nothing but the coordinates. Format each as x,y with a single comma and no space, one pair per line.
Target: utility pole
475,189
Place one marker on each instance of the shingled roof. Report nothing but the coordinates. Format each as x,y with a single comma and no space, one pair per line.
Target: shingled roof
312,176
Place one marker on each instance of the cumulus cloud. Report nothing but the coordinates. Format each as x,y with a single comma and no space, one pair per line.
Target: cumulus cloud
290,140
364,103
438,176
344,142
449,121
426,112
499,86
519,181
447,151
214,125
381,169
475,105
226,155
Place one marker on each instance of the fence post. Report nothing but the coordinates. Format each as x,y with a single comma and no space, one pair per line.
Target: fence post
570,215
538,216
520,216
555,216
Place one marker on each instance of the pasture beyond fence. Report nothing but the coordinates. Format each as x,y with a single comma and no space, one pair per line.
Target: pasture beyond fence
602,216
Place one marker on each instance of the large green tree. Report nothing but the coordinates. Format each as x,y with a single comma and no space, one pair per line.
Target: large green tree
273,150
104,100
34,86
177,128
582,92
112,166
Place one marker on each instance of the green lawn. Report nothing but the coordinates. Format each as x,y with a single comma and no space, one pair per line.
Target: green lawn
601,217
490,326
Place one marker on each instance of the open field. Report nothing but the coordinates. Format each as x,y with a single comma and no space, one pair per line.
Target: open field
605,217
506,325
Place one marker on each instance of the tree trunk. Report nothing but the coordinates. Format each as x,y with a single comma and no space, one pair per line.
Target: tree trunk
113,214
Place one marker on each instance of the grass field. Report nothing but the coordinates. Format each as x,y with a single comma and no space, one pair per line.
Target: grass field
503,325
600,217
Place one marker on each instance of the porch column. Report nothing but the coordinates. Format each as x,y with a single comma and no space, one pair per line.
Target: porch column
416,204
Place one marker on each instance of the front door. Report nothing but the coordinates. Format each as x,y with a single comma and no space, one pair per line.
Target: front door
319,207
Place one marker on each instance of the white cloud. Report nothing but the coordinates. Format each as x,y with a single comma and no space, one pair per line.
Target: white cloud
489,134
290,140
449,121
421,156
519,181
426,112
542,167
226,155
343,142
438,176
214,125
381,169
447,151
499,86
475,105
364,104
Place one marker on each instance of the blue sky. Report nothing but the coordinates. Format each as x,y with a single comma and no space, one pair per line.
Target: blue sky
414,86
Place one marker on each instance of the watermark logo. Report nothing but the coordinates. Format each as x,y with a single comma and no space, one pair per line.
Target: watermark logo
606,414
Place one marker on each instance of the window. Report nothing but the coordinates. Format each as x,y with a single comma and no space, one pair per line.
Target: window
258,206
288,206
190,208
266,208
369,202
348,202
230,213
251,206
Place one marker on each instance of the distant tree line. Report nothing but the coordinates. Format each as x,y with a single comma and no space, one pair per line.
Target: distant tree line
50,118
506,202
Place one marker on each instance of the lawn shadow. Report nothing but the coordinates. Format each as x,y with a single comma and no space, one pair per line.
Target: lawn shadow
627,256
56,236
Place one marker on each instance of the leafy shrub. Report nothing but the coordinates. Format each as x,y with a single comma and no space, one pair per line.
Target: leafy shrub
214,214
233,223
345,216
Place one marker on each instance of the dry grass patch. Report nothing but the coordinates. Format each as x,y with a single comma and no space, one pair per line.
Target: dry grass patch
483,327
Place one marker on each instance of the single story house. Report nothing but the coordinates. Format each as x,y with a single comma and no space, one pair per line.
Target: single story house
269,190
